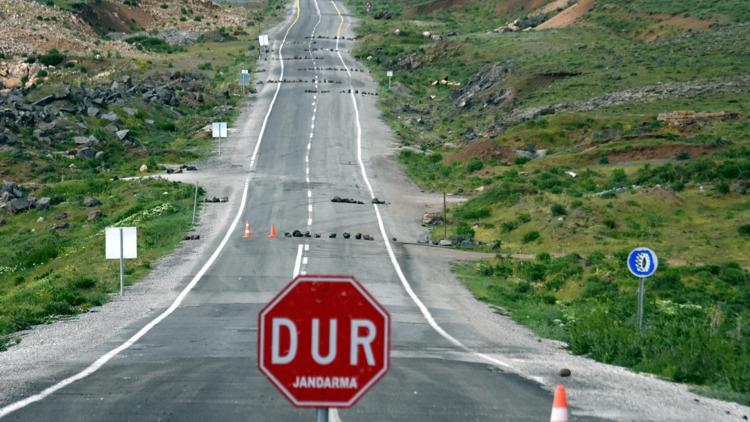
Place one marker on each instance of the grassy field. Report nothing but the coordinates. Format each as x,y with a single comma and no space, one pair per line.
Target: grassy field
52,261
593,175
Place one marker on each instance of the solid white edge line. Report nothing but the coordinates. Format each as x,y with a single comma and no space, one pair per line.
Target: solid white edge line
404,282
6,410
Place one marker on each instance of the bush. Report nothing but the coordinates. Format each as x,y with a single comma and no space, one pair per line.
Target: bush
744,230
558,210
42,74
531,236
723,188
474,165
464,231
52,58
682,156
610,224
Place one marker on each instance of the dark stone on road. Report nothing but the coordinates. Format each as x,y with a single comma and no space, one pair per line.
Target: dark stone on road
358,236
565,372
346,235
378,201
297,233
332,236
192,237
287,234
307,234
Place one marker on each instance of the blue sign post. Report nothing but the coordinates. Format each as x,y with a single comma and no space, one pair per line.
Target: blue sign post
642,262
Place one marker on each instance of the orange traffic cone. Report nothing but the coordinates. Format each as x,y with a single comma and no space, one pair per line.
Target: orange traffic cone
248,235
559,406
272,232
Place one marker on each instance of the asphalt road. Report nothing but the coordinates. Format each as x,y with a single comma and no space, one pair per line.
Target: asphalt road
199,363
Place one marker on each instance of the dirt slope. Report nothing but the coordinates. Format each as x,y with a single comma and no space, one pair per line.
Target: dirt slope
568,16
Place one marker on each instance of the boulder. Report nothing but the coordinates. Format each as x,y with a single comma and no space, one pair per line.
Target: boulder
93,111
111,128
94,215
60,226
43,203
18,205
99,154
91,202
110,117
445,242
122,134
423,238
82,140
85,153
129,111
143,168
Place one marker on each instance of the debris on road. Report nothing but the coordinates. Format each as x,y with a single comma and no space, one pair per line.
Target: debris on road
338,199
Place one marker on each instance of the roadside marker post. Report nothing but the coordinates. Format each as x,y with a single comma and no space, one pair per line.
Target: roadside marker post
642,263
389,74
121,243
195,202
244,80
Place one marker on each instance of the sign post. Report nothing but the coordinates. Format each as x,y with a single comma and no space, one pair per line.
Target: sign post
389,74
323,342
121,243
244,80
642,263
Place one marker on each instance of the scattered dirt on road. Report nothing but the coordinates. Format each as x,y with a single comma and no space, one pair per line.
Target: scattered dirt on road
568,16
483,150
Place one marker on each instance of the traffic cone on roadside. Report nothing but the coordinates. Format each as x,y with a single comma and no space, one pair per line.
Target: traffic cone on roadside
559,406
248,234
272,232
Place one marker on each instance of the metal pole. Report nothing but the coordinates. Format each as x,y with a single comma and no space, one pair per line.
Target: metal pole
445,217
195,202
122,261
389,83
641,294
322,414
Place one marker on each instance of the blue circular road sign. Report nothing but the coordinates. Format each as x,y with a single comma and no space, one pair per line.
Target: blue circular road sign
643,262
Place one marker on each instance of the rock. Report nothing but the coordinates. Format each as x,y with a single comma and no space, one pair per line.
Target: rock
99,155
110,117
467,243
192,237
61,216
91,202
82,140
43,203
332,236
84,153
378,201
316,235
191,168
129,111
40,220
18,205
143,168
149,122
93,111
565,372
445,242
94,215
423,238
367,237
483,81
346,235
224,199
122,134
44,101
60,226
358,236
308,234
297,233
430,218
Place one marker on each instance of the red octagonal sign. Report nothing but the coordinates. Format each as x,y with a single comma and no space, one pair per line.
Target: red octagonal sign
323,341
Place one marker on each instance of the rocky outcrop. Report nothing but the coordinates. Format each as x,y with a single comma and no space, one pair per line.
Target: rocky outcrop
489,87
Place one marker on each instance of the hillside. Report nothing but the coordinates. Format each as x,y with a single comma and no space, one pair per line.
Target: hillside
577,131
92,93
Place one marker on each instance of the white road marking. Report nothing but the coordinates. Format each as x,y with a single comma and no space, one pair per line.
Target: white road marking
309,221
404,281
298,261
309,208
309,193
307,247
304,261
6,410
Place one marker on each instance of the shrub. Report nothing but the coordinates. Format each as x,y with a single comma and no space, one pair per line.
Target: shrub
531,236
508,226
610,224
603,159
474,165
464,231
682,156
42,74
519,161
524,218
723,188
744,230
52,58
558,210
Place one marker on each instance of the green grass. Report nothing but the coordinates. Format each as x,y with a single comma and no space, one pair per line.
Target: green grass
695,325
46,273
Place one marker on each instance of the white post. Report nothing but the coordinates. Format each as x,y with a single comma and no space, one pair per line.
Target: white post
122,261
195,202
322,414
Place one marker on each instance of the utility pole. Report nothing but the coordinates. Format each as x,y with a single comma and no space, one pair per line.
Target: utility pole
445,216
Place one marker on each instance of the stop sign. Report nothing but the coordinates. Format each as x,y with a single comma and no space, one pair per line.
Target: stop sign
323,341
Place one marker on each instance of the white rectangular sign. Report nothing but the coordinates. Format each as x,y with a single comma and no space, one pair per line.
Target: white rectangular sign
263,40
129,242
219,129
389,73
